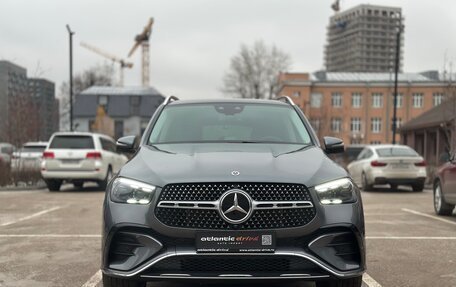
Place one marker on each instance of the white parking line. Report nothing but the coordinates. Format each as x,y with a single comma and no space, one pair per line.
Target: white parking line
50,236
429,216
30,216
413,237
369,281
94,280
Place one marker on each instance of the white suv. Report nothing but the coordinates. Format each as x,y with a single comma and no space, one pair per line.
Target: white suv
78,157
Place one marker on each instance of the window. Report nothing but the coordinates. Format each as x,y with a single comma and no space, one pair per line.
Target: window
398,122
135,103
72,142
437,98
102,100
417,100
356,100
355,125
118,129
229,123
107,145
375,142
400,100
376,125
296,94
377,100
315,124
356,141
336,125
396,151
315,100
336,100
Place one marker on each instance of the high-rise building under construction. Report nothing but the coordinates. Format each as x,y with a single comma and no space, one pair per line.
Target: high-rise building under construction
364,39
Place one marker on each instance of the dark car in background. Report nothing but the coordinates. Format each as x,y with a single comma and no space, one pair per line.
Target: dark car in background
232,190
445,187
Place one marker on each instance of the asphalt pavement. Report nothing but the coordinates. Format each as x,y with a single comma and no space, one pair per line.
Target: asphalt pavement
53,239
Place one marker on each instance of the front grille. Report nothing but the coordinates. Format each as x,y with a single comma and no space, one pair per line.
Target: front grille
213,191
227,264
210,219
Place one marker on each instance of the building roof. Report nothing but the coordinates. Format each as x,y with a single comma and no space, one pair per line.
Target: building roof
121,91
368,77
442,113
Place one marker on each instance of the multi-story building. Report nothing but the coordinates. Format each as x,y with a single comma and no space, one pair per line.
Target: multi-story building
358,107
127,109
363,39
27,106
13,82
43,94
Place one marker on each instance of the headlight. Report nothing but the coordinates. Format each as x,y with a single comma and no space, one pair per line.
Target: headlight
126,190
336,191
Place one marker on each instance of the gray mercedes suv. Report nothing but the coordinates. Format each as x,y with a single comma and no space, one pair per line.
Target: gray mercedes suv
232,190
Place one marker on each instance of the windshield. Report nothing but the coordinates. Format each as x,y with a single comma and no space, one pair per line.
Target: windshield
229,122
72,142
396,151
31,148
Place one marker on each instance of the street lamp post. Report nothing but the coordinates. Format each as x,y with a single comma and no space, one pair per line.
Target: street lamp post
396,73
70,34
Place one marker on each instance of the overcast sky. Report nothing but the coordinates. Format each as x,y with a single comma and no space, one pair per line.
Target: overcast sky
193,40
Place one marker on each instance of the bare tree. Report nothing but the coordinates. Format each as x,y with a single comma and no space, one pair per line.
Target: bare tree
254,71
100,75
449,124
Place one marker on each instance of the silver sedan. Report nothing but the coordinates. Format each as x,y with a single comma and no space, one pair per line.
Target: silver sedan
389,164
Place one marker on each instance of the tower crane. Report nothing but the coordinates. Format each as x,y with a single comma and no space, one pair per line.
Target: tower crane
143,40
123,64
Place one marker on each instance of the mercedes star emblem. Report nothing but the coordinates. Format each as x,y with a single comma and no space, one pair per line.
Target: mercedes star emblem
235,206
235,173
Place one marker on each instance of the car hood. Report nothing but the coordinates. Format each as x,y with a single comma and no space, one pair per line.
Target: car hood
183,163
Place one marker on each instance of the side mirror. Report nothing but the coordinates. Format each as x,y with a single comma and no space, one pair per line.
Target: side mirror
126,144
333,145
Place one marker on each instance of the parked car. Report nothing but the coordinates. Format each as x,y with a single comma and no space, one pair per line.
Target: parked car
6,152
80,157
389,164
232,190
445,187
28,158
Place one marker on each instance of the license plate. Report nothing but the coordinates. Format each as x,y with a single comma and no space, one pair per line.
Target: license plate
401,165
235,241
70,161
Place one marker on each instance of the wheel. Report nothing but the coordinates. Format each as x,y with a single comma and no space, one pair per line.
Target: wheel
393,186
117,282
351,282
440,206
418,186
78,184
365,185
104,183
53,184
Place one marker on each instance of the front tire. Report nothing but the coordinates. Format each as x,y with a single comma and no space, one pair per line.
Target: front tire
53,184
418,187
440,205
365,184
351,282
104,183
117,282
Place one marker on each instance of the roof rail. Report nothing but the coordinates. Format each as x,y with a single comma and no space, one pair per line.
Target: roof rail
170,99
286,99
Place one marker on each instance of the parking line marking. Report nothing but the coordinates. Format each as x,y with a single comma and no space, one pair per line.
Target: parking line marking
370,282
31,216
94,280
429,216
413,237
50,236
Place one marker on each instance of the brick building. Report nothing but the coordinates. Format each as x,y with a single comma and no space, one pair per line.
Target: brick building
358,107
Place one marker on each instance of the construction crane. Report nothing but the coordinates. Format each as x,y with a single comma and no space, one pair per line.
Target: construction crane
336,6
143,40
123,64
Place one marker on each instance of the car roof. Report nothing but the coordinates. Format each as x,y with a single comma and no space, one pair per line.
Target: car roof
377,146
79,134
36,143
231,101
